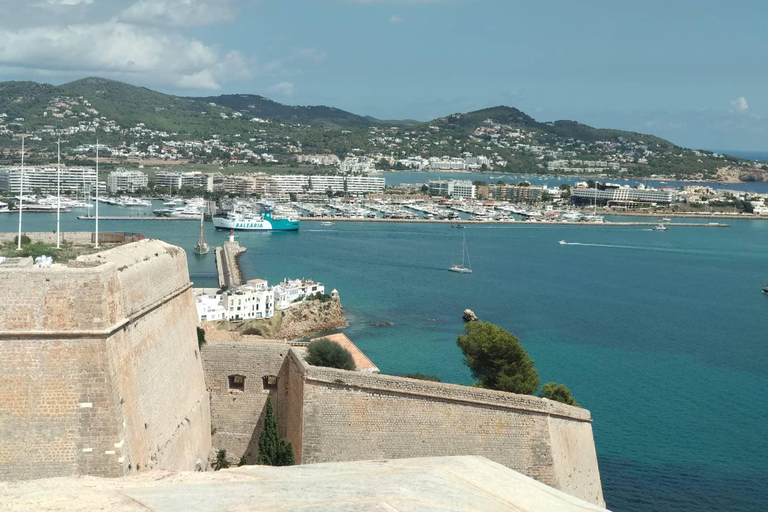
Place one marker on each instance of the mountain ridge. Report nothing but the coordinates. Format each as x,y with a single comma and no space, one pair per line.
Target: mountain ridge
250,128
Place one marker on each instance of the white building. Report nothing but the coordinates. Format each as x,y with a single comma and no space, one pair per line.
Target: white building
45,179
290,291
126,181
357,165
253,301
288,183
623,194
456,189
364,185
447,164
210,308
325,183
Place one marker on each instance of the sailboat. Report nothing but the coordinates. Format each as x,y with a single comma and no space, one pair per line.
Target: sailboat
460,268
201,247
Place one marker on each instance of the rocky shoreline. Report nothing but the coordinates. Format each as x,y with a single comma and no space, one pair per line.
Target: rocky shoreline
299,321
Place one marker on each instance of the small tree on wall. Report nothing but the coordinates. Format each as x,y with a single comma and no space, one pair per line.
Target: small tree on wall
497,359
273,451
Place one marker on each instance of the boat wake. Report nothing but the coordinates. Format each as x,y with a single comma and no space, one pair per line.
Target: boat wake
631,247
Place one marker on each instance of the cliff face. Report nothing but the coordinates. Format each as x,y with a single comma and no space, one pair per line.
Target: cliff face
733,174
299,321
311,317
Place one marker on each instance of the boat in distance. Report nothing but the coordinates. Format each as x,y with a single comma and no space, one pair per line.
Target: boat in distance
255,222
660,227
459,267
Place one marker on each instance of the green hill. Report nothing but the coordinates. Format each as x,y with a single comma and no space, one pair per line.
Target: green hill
140,122
259,106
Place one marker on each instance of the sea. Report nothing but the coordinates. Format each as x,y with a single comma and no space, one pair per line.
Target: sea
661,335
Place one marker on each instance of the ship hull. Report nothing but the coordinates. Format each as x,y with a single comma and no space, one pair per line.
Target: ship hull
223,223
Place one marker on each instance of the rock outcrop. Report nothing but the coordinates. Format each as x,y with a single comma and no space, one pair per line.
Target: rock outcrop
734,174
469,315
299,321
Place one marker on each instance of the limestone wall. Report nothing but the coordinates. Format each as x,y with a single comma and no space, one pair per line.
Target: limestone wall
237,416
99,367
334,415
354,416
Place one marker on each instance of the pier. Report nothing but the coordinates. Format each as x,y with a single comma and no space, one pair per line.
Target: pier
517,223
227,267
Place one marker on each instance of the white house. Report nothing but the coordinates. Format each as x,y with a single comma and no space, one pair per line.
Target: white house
290,291
254,300
209,308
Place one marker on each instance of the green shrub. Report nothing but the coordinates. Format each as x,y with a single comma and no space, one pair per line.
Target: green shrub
421,376
497,359
221,460
200,338
557,392
324,352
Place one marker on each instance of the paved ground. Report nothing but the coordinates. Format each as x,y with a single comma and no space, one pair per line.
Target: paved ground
453,484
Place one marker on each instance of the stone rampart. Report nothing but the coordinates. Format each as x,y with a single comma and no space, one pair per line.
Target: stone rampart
239,377
334,415
99,368
354,416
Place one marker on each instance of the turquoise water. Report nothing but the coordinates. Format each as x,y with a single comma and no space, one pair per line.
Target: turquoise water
662,335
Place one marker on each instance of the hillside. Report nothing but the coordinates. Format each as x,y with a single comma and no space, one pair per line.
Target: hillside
259,106
140,124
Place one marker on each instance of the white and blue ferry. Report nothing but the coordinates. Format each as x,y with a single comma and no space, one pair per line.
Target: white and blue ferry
254,222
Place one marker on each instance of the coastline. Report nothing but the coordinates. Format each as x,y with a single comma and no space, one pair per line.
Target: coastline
579,176
519,222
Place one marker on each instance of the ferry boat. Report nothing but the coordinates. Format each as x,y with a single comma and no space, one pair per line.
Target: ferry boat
253,222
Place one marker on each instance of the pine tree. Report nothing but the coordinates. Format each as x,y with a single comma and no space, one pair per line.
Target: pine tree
269,442
285,456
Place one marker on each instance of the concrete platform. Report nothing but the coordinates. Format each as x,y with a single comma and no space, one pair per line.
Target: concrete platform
453,484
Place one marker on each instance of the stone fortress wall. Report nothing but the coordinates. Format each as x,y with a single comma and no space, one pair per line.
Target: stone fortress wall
334,415
99,367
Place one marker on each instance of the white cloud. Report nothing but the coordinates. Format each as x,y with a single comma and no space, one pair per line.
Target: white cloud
740,104
282,89
395,19
121,50
178,13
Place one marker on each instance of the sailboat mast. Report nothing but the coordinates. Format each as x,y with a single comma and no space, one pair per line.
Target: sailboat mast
97,193
21,191
469,262
463,247
202,228
58,196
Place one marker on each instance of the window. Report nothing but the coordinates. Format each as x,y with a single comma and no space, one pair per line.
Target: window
237,383
269,382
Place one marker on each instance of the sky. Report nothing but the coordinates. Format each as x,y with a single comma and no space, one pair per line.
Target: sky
691,71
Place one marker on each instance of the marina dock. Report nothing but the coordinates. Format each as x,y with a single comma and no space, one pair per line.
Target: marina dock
137,217
521,222
227,267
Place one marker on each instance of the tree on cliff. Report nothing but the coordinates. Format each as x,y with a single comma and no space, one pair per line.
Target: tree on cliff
273,451
497,359
324,352
557,392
